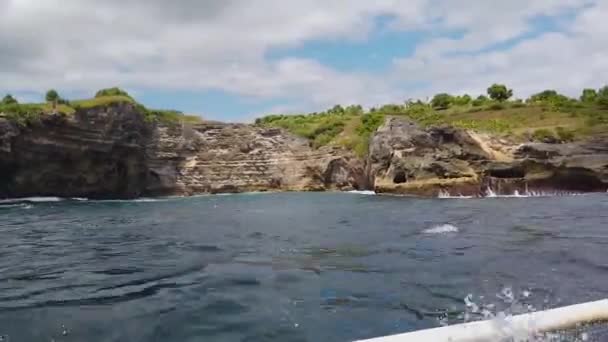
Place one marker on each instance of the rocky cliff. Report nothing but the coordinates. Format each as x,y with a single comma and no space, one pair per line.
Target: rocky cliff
217,157
112,152
406,159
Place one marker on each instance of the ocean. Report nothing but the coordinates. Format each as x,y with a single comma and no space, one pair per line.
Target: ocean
291,266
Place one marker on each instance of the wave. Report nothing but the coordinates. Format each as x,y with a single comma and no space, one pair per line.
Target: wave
362,192
442,229
16,205
31,200
446,195
490,193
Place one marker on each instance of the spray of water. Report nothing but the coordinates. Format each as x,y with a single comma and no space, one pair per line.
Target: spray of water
491,193
500,310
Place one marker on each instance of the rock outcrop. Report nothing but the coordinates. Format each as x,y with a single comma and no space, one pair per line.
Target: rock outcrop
572,167
112,152
406,159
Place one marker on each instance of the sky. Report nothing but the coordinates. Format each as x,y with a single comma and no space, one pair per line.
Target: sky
234,60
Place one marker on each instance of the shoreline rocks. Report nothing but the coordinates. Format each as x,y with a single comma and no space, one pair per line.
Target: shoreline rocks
406,159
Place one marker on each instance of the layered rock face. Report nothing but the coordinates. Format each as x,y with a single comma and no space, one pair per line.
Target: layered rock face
405,159
574,167
218,157
98,153
112,152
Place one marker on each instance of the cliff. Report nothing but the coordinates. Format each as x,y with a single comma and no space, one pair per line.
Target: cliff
406,159
218,157
111,151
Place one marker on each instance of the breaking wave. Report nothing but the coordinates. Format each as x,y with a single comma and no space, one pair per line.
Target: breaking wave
490,193
442,229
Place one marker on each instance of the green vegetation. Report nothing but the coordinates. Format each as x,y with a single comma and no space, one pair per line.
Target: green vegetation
589,95
101,101
545,116
25,114
21,114
442,101
602,97
564,134
499,92
8,100
544,135
52,96
112,92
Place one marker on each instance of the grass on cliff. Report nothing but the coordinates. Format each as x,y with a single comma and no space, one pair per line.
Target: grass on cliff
101,101
27,113
544,120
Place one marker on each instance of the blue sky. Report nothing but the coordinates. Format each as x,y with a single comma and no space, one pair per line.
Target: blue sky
237,60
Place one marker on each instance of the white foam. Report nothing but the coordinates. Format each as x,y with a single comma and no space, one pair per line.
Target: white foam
442,229
446,195
32,199
16,205
136,200
490,193
362,192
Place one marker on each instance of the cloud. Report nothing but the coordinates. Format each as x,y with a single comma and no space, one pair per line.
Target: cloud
79,46
567,60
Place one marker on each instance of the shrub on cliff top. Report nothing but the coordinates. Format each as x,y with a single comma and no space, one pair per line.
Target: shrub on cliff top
602,97
8,99
115,91
21,114
564,135
442,101
544,135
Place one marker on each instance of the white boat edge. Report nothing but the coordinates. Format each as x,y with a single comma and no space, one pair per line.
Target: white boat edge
563,318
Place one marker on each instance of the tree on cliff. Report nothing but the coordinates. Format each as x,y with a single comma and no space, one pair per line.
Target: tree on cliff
8,99
52,96
499,92
602,97
442,101
589,95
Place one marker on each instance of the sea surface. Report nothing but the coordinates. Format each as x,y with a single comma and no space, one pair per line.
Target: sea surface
291,266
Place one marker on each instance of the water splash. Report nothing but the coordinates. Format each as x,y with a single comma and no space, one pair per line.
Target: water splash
511,304
442,229
446,195
491,193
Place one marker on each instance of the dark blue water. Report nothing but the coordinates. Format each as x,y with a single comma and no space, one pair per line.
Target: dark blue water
290,267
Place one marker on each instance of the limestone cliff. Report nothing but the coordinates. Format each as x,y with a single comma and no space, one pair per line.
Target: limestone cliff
112,152
217,157
98,153
406,159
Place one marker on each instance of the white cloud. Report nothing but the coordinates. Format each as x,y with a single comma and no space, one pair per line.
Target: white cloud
567,61
82,45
